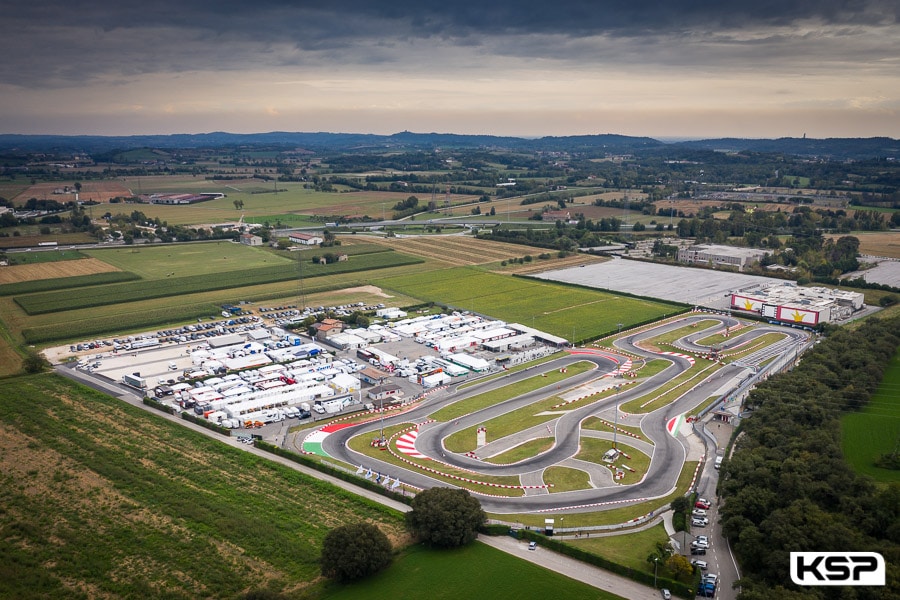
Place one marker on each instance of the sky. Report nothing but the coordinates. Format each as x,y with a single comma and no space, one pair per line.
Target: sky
682,69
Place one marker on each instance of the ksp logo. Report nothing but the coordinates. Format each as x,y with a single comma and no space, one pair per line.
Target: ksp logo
837,568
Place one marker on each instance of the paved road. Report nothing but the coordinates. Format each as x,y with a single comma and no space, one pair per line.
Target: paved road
580,571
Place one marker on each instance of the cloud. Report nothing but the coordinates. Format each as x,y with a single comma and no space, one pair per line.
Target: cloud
297,64
63,43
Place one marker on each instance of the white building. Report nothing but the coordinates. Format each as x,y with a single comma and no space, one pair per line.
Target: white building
720,256
306,239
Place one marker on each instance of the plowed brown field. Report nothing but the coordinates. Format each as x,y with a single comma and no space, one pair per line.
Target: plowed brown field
53,270
96,191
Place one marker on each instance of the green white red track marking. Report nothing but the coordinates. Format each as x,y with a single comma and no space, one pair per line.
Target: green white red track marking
312,444
674,424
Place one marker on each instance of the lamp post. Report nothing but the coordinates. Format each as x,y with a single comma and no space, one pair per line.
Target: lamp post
655,564
616,418
381,392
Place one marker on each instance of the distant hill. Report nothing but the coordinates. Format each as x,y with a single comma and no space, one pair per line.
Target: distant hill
832,148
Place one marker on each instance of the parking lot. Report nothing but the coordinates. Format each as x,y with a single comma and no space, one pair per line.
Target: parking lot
192,368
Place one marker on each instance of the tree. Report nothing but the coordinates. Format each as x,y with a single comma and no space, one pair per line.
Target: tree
679,566
353,551
445,517
34,362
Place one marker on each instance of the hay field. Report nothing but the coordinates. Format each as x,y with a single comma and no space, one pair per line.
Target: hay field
97,191
876,243
54,270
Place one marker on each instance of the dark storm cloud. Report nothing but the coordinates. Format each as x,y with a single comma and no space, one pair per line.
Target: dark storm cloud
57,42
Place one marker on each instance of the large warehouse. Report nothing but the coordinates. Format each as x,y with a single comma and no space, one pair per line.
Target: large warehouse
793,304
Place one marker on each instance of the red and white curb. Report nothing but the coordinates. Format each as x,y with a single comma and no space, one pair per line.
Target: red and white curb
690,359
406,444
619,429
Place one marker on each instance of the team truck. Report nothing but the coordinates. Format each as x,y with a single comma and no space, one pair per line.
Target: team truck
135,380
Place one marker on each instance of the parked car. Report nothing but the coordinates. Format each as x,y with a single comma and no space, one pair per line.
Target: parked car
699,544
698,512
666,594
695,551
702,503
702,538
710,578
532,545
700,564
699,522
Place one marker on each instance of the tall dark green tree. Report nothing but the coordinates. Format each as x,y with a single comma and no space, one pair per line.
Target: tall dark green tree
445,517
354,551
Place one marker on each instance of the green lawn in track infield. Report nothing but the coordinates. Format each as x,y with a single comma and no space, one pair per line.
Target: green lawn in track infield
474,571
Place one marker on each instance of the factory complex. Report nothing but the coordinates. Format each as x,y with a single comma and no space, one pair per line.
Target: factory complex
789,303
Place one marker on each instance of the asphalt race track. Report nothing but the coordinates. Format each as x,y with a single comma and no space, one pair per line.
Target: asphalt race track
668,455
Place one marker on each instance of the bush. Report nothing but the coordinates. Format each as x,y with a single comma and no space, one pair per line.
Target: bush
355,551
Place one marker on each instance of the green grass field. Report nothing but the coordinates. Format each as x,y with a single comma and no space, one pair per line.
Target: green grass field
566,479
554,308
875,430
487,399
629,550
260,202
187,260
31,258
476,571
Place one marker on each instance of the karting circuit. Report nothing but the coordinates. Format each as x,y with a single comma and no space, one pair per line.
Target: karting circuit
620,412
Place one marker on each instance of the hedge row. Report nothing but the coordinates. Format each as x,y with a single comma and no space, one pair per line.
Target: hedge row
77,281
206,423
329,470
158,405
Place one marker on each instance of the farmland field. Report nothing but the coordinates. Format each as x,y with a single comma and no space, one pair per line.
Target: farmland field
96,191
55,301
875,430
260,202
54,270
459,250
90,510
881,243
547,306
185,260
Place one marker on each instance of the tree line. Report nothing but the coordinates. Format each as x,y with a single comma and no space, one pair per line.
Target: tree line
788,488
